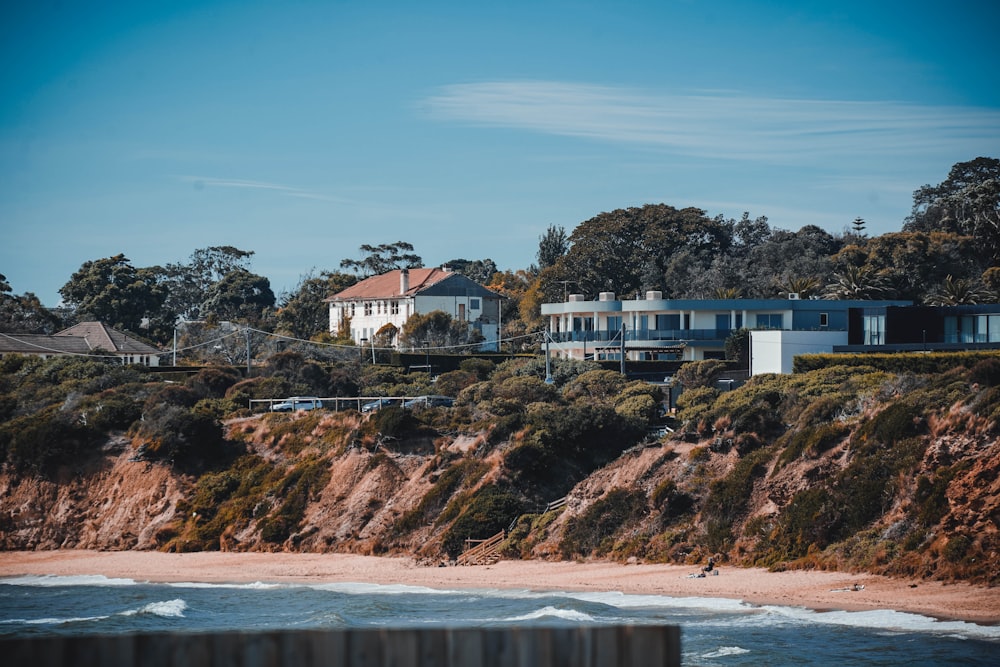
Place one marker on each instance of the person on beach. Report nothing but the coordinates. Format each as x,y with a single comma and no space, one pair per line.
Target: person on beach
711,565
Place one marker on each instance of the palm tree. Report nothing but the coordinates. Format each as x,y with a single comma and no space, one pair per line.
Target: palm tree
857,282
956,292
727,293
804,287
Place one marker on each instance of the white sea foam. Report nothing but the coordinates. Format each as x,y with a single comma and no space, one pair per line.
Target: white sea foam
166,609
888,619
358,588
58,580
747,614
254,586
724,651
627,601
553,612
53,620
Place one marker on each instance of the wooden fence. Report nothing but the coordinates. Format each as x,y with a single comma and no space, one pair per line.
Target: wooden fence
578,646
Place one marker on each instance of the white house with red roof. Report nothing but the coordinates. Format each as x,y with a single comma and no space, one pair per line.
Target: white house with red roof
393,297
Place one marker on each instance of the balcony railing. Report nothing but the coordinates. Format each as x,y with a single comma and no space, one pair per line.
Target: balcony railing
642,335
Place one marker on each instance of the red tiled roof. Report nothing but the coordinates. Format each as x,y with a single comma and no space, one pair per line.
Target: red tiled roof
387,285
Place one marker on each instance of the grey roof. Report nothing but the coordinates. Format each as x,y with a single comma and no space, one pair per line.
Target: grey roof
83,338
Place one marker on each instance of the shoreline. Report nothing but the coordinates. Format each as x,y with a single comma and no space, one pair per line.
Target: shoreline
817,590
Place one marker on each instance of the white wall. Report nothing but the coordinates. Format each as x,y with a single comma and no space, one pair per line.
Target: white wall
773,351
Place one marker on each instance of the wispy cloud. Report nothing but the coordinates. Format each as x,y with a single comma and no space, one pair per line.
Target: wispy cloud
208,182
721,124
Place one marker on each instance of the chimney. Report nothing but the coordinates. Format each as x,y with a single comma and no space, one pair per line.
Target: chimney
404,281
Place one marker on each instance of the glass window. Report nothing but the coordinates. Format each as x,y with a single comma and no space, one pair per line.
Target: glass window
395,307
824,319
473,304
614,323
874,329
368,307
770,321
722,322
668,322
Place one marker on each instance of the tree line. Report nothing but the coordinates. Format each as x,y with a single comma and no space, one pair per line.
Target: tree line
946,253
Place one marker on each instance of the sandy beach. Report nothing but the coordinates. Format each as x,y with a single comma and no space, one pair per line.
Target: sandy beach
810,589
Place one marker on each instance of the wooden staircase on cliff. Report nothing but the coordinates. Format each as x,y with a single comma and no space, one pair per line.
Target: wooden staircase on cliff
482,552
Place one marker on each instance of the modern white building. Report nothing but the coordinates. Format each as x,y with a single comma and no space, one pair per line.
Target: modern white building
773,351
653,328
392,298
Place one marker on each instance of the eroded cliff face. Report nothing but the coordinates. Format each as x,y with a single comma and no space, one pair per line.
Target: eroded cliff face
108,502
380,497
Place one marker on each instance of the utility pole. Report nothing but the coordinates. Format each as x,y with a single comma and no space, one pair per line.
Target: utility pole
247,331
623,348
548,359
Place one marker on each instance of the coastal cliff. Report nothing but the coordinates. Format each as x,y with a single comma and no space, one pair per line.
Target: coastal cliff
837,468
321,483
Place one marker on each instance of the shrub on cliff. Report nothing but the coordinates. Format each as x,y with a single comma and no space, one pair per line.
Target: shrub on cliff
41,442
487,512
187,438
593,532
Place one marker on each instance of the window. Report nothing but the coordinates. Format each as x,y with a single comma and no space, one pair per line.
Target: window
394,306
988,329
769,320
874,329
368,308
668,322
614,323
722,322
824,319
473,304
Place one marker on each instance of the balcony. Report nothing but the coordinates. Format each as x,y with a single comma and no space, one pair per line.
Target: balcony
643,335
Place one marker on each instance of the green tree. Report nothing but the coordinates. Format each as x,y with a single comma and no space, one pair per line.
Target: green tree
383,258
112,291
594,386
436,329
696,374
967,202
628,250
24,313
552,245
239,296
188,283
911,264
857,282
804,287
738,347
956,292
304,313
479,270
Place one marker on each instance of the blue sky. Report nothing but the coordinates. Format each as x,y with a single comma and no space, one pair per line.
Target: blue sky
301,130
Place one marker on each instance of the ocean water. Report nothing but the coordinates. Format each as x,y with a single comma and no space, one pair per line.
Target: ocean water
713,631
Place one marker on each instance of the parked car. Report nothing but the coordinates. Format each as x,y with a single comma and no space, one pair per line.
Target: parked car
430,401
371,406
297,403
